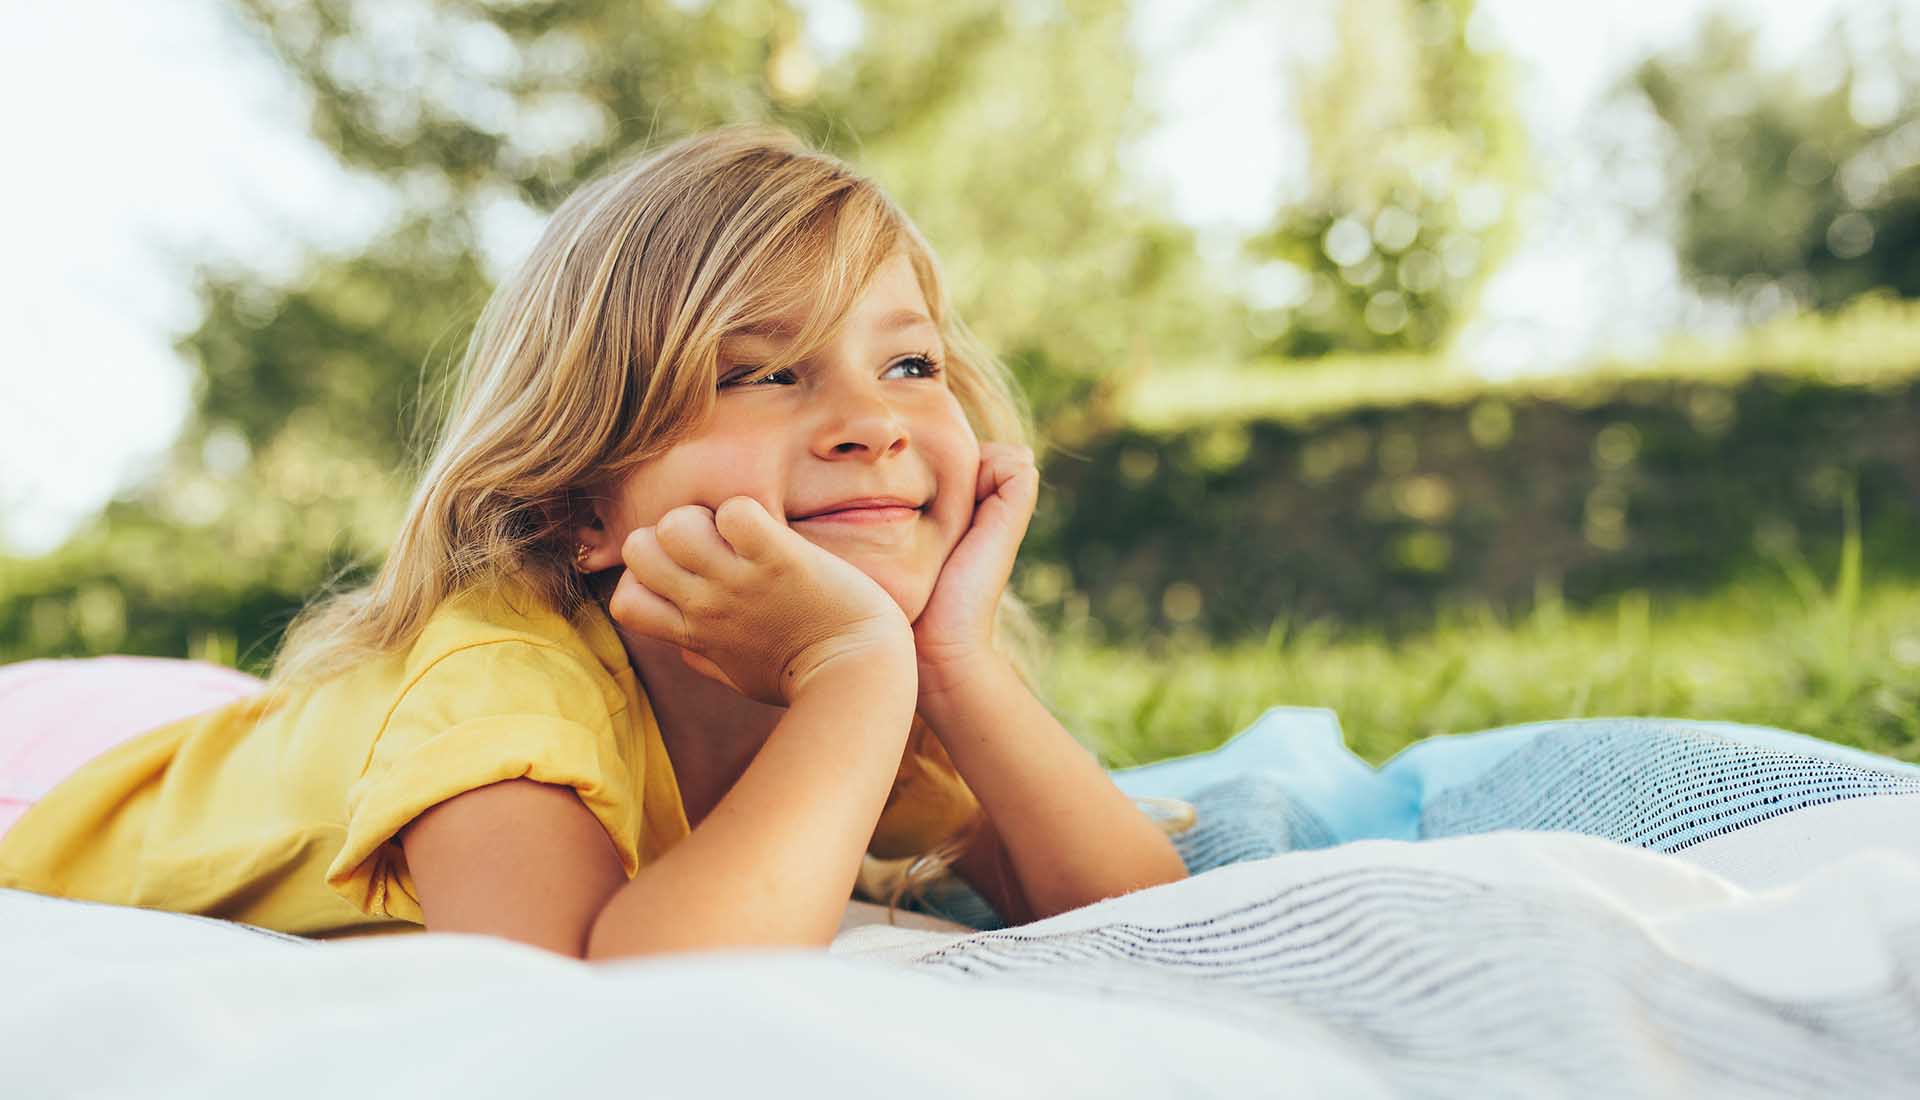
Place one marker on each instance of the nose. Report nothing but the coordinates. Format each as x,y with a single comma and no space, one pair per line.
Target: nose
859,421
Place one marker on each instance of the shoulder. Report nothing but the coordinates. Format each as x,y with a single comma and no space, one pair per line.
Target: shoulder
505,634
500,612
493,689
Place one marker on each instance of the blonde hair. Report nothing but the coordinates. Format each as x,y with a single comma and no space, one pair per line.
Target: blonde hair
601,351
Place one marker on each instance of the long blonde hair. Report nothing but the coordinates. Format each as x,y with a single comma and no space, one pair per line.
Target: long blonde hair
601,351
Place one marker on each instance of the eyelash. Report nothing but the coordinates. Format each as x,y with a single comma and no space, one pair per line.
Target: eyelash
929,363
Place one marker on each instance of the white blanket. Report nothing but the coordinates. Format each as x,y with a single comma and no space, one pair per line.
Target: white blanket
1501,964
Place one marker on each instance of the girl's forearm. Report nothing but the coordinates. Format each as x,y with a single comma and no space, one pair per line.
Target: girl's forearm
1072,837
775,861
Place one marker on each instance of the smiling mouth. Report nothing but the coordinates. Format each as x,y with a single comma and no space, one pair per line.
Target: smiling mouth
870,514
878,508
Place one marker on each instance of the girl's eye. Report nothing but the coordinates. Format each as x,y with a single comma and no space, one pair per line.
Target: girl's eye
922,365
739,378
926,365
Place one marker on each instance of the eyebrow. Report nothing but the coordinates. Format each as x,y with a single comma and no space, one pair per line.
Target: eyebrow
897,321
905,319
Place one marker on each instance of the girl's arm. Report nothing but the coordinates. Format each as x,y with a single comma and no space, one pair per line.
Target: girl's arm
1070,835
780,620
771,866
774,863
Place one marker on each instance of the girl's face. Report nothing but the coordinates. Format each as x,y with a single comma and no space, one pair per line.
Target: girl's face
868,420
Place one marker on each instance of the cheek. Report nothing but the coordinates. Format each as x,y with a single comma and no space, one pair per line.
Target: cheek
970,451
705,472
959,474
746,466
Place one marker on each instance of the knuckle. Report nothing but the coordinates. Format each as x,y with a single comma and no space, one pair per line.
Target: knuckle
686,516
648,559
673,523
625,602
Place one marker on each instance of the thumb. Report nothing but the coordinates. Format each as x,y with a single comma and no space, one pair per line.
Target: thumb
745,524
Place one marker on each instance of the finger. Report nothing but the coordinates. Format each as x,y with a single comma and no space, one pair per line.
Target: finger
689,537
1002,464
642,610
1009,489
748,528
1018,452
653,567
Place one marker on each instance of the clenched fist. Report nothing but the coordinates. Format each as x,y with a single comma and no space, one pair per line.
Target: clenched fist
752,603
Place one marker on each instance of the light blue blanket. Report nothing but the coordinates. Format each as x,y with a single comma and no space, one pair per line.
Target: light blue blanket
1289,783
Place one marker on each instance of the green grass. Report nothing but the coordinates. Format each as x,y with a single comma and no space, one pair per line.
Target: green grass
1839,662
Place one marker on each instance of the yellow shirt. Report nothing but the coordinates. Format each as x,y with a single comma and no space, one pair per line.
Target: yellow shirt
284,815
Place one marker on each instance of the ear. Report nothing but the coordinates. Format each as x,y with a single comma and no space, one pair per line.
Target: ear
587,524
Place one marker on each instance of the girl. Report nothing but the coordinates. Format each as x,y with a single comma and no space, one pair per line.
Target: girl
701,599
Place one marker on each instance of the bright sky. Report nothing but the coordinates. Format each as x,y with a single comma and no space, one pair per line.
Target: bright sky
177,140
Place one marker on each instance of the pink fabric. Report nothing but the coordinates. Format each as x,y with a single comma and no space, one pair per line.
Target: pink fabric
57,714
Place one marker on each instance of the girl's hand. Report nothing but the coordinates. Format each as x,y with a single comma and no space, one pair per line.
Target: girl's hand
953,635
751,603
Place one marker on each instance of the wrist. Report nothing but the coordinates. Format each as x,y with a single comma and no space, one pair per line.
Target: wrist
946,689
883,676
878,650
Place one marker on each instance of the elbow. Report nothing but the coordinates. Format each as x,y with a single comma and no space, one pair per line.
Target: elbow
1177,870
627,934
1159,864
1160,875
1171,871
1170,868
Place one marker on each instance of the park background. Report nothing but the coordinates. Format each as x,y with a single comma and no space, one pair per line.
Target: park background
1449,365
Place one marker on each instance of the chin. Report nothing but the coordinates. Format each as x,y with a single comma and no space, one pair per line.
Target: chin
912,599
910,593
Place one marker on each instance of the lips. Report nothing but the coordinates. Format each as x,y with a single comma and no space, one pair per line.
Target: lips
874,505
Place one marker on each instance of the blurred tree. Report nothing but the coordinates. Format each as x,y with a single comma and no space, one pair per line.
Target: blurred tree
1417,158
1794,186
997,126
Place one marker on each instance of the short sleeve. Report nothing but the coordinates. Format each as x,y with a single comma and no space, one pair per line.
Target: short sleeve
929,801
479,715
